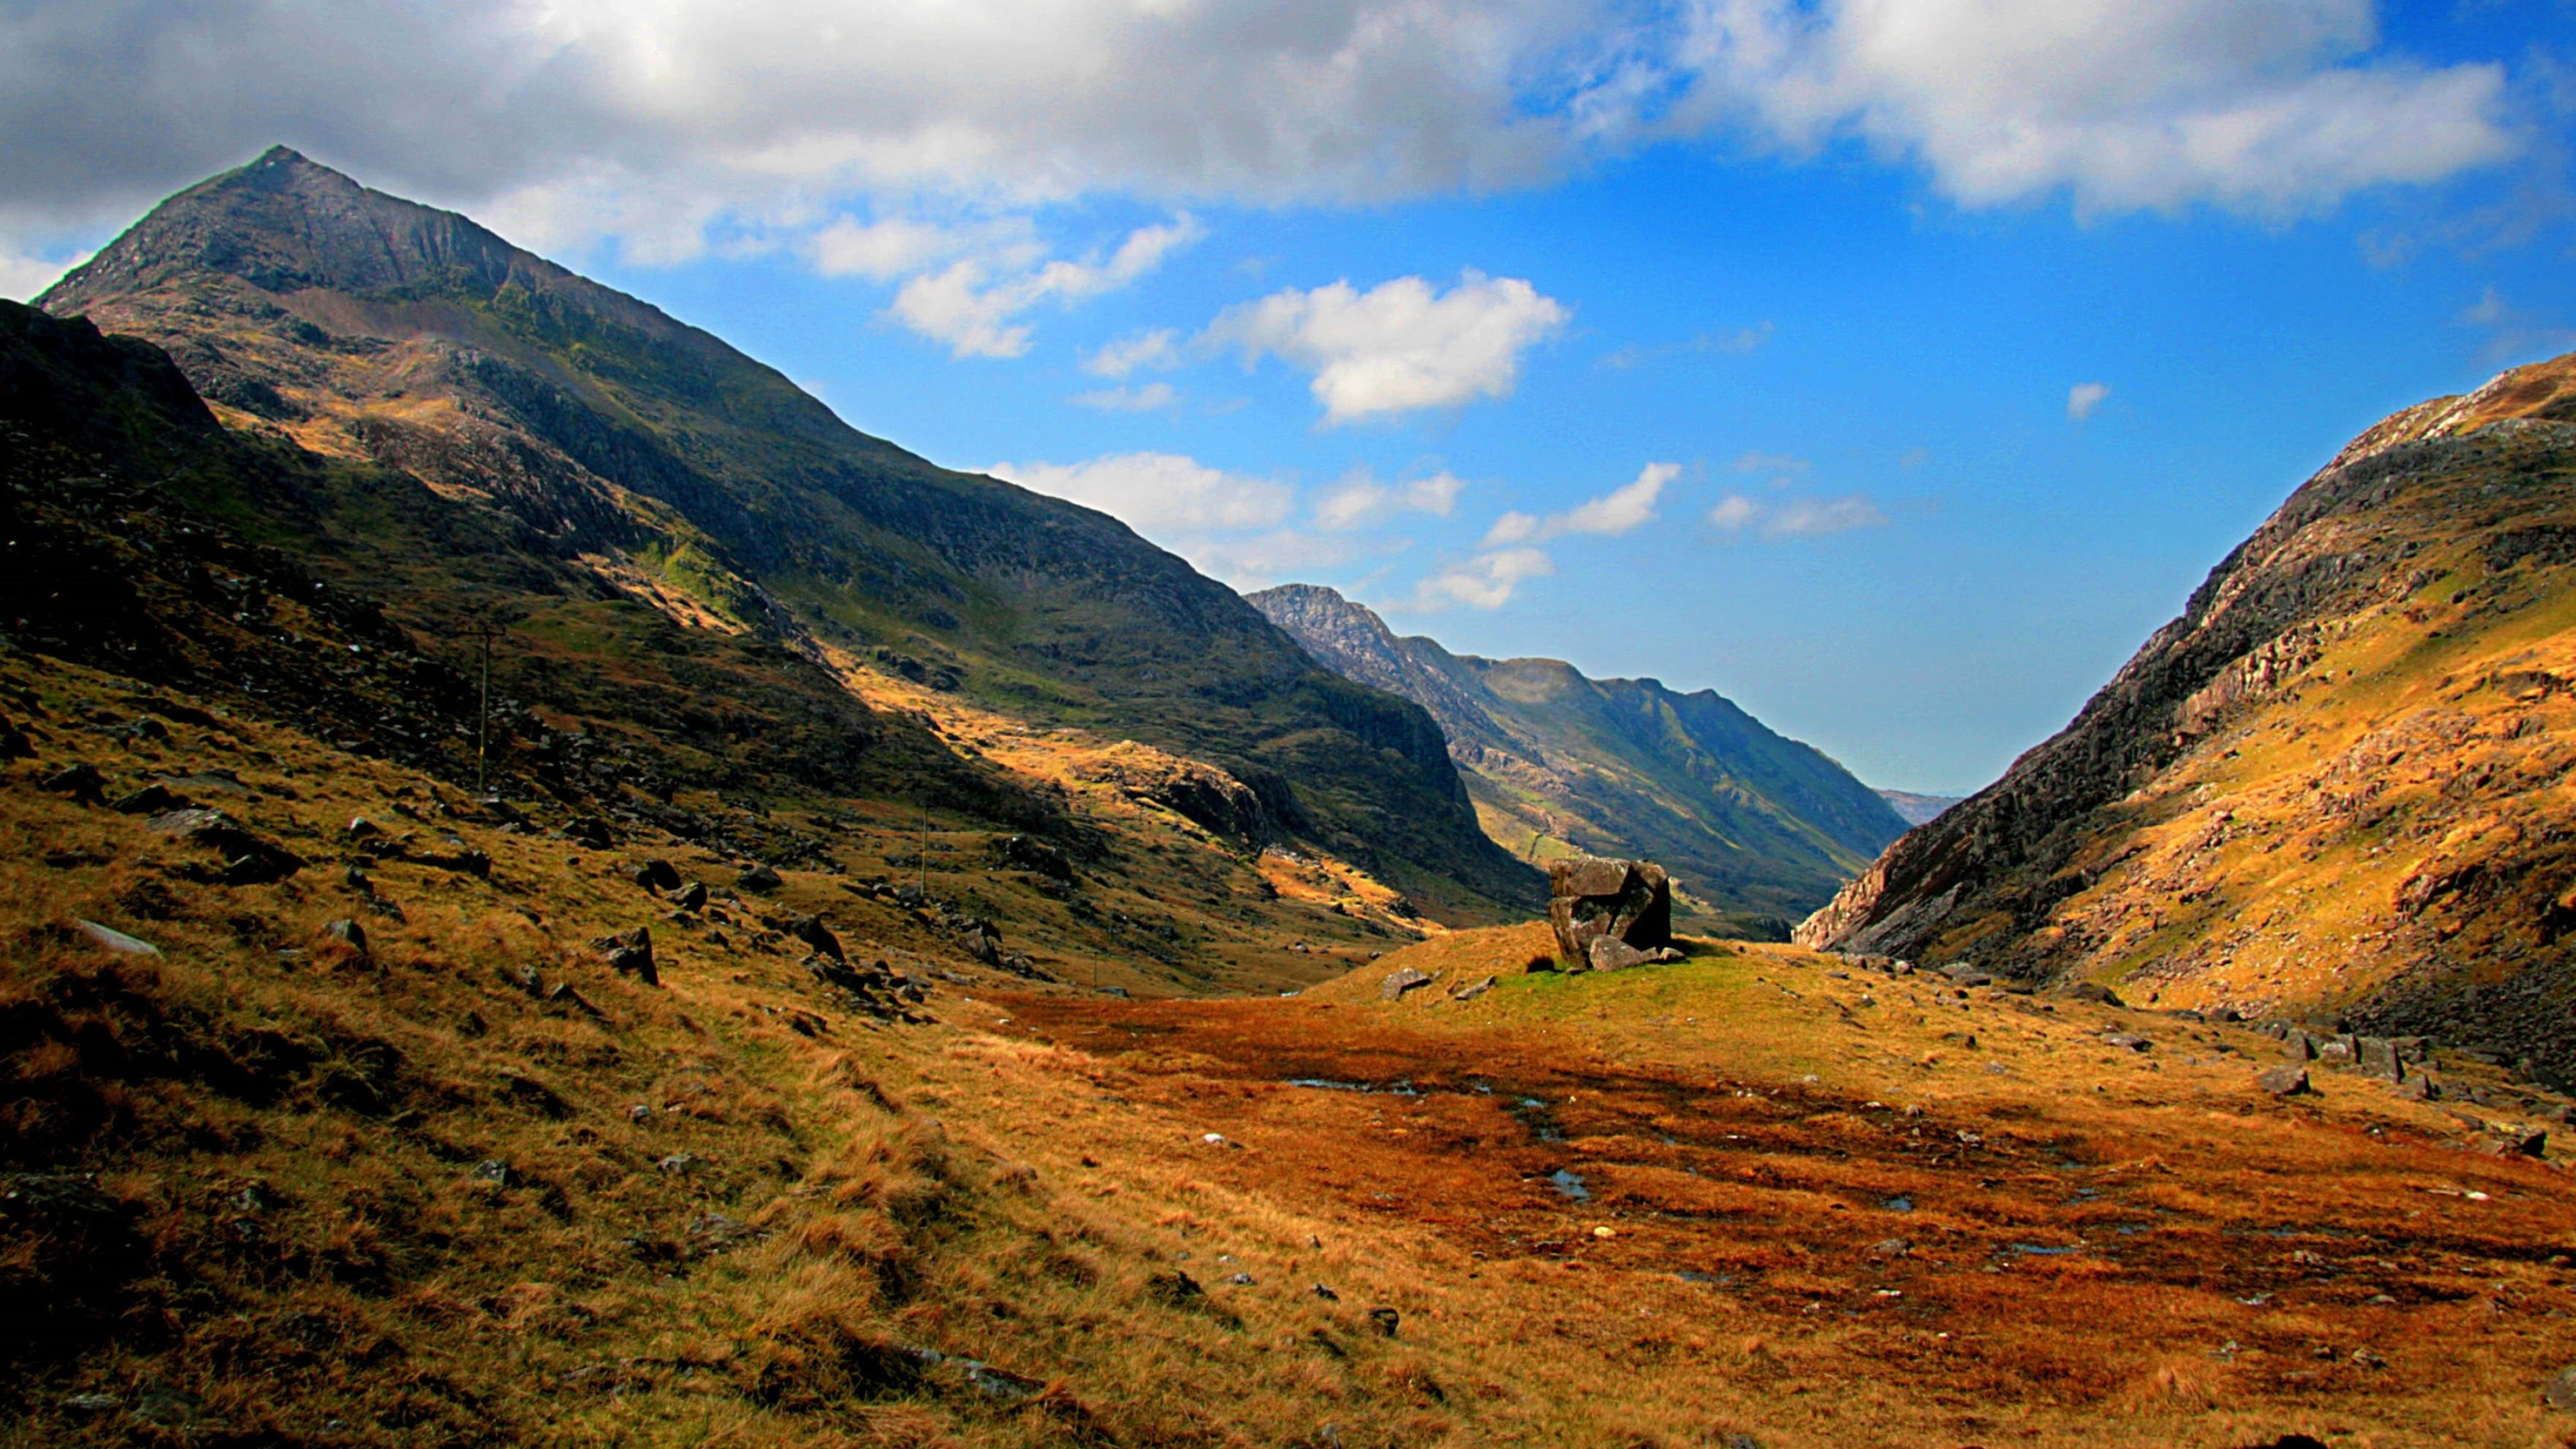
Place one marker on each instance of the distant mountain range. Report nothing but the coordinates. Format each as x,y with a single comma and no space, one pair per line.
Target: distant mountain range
624,455
2343,781
1756,828
1918,809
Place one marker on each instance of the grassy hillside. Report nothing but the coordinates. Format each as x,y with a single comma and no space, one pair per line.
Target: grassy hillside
663,466
1757,829
2340,782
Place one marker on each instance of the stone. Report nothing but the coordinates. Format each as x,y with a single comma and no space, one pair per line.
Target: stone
2379,1058
1385,1320
1327,1294
812,931
152,800
2284,1081
2299,1047
1592,898
1402,980
2127,1041
693,897
1609,953
759,878
564,995
116,940
1470,993
348,933
2528,1142
629,953
2560,1392
1020,852
248,859
2092,991
1962,974
82,782
361,828
656,876
494,1171
678,1164
2338,1050
591,831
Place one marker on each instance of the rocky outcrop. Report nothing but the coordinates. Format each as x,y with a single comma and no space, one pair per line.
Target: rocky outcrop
1609,913
1756,828
2333,782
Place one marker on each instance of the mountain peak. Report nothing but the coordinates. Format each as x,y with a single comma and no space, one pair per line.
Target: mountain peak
285,223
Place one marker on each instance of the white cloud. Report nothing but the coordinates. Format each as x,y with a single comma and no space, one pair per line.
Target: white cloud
576,120
22,277
977,315
1359,500
2084,397
1814,518
892,247
2269,106
1735,512
1399,346
1741,340
1618,511
1485,582
1797,518
1756,461
1143,399
1160,493
1157,349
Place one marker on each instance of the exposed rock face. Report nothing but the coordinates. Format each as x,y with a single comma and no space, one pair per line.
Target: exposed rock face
1918,809
1759,828
671,469
1608,913
2337,782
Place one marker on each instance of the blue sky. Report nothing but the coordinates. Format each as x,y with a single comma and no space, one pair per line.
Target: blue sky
1891,366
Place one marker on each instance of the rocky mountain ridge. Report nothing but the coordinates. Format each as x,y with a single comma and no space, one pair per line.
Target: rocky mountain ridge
2343,781
660,464
1756,827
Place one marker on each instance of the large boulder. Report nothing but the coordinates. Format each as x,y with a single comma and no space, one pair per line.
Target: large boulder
1629,902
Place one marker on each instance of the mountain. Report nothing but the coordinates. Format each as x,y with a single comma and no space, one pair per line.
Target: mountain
2339,782
656,463
1756,827
1917,809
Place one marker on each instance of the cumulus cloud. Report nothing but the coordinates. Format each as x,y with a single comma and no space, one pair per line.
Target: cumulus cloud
658,124
1160,494
977,314
1156,349
1359,500
1486,581
2270,106
1618,511
1796,518
1145,399
2084,397
1399,346
22,277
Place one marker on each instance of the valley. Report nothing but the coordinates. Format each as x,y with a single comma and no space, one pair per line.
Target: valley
558,895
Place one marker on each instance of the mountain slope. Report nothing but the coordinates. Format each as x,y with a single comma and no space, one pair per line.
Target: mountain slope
599,432
1752,824
2344,779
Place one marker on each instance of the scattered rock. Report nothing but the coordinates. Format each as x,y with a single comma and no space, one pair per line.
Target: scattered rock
2284,1081
1591,899
1470,993
494,1171
1609,953
591,831
1402,980
2127,1041
1173,1289
1965,975
164,1407
655,875
1000,1383
2560,1392
82,782
2379,1058
248,859
361,828
678,1164
759,879
1385,1319
629,953
693,897
152,800
1020,852
116,940
1327,1294
2298,1046
92,1403
564,995
2092,991
348,933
